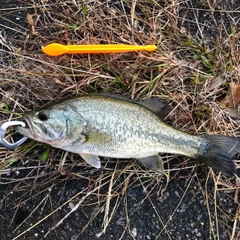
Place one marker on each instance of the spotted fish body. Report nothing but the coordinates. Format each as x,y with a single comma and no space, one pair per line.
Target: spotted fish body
112,126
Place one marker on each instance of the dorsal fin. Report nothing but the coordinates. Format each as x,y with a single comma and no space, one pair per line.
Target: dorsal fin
156,105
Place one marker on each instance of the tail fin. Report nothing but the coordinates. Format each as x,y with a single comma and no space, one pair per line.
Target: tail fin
219,153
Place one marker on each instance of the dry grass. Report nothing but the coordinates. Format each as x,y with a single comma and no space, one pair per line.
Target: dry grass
191,68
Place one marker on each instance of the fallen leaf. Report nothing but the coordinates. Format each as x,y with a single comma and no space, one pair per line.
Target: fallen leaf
215,83
31,23
231,103
232,98
183,116
30,20
233,112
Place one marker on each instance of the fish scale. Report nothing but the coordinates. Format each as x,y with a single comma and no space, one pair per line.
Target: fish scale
117,127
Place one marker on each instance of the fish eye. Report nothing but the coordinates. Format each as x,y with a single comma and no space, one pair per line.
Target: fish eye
42,116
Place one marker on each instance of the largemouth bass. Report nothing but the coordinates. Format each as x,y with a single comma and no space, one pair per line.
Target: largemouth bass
115,127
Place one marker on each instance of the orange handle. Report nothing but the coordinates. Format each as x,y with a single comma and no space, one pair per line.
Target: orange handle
56,49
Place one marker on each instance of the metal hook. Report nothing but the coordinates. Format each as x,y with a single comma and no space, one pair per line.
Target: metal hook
3,129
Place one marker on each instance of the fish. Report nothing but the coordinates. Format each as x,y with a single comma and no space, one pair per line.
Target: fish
114,126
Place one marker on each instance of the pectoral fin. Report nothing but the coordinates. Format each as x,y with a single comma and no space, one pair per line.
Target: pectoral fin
93,160
153,162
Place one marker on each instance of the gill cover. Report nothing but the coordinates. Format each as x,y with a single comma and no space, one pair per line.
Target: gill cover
57,125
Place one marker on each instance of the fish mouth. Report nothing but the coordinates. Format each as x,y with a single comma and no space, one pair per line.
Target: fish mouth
33,130
28,129
29,126
37,130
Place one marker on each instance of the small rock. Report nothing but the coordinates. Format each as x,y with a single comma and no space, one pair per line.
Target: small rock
134,232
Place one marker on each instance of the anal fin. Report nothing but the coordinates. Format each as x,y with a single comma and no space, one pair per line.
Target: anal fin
153,162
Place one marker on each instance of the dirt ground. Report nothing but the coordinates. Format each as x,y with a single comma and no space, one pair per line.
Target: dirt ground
121,200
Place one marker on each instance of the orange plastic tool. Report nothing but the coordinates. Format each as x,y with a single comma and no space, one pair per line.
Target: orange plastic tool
56,49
